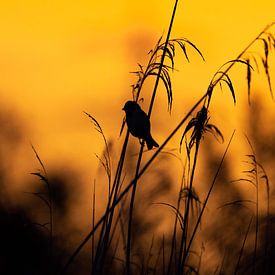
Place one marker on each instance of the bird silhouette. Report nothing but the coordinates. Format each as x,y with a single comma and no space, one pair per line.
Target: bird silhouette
138,123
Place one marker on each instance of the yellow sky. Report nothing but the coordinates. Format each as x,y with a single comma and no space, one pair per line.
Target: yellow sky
59,58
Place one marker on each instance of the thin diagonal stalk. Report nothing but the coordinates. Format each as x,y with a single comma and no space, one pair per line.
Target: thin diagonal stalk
93,224
187,209
163,255
207,198
117,222
257,222
131,209
242,248
266,235
222,264
106,227
183,243
147,267
257,206
265,177
173,243
122,225
157,259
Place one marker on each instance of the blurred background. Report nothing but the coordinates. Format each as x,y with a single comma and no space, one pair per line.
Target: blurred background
60,58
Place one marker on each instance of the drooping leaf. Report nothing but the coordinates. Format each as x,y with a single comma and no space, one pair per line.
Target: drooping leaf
175,210
182,45
39,160
215,131
266,67
185,193
271,40
256,62
251,171
222,75
237,202
41,177
167,83
95,122
266,48
195,47
251,156
237,61
244,180
170,55
248,77
230,85
189,126
41,197
198,124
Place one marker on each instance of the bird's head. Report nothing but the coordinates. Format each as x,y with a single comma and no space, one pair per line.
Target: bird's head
130,106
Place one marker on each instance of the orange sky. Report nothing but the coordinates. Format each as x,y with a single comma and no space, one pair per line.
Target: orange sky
59,58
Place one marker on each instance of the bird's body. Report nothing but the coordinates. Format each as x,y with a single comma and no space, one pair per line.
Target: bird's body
138,123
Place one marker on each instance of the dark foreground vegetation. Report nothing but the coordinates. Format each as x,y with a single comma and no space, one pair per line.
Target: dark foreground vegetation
198,222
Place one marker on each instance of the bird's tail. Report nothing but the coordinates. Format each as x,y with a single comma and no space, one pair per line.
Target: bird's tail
150,142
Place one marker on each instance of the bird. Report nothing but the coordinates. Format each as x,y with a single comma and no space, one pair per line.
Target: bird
138,123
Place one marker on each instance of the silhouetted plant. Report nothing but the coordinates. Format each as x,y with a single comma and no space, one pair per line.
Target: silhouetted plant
114,229
47,199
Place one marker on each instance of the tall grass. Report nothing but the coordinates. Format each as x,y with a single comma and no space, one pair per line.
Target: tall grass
114,229
47,200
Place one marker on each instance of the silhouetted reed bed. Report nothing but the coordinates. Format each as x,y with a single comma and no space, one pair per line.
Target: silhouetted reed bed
126,238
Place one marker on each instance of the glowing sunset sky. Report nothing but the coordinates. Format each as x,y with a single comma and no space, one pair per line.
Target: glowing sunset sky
59,58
